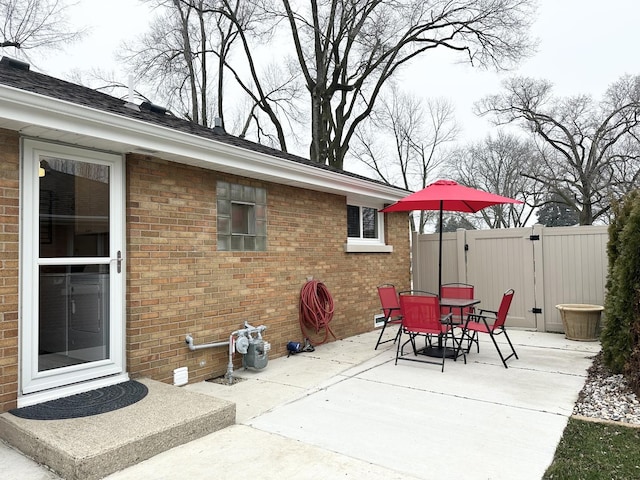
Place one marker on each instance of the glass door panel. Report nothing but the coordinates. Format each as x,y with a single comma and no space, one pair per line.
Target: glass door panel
73,297
74,208
73,315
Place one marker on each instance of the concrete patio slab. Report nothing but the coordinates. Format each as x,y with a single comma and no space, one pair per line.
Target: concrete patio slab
501,423
346,411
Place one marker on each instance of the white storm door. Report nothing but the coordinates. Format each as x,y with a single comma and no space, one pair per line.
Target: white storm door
72,256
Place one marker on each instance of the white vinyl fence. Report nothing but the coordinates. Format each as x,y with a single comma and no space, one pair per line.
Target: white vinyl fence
544,265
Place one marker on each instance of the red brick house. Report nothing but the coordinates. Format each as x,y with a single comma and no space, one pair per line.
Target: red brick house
125,228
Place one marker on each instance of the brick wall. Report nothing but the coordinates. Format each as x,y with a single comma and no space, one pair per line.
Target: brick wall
9,227
178,283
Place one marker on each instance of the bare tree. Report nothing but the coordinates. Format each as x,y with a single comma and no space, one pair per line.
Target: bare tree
496,165
272,94
186,55
27,25
590,150
272,115
347,50
172,57
406,141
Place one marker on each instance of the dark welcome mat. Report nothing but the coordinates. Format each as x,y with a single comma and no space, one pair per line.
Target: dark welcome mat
94,402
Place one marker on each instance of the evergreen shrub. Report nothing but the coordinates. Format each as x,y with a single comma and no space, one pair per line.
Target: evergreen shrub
621,332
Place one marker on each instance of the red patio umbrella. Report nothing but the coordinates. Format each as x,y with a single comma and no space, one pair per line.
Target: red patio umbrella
450,196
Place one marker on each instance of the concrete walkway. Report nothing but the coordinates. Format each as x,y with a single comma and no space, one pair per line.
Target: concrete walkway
346,411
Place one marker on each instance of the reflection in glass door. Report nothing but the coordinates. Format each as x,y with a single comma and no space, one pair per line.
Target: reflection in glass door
77,262
74,298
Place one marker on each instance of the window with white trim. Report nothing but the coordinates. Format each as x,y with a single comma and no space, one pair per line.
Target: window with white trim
362,222
365,229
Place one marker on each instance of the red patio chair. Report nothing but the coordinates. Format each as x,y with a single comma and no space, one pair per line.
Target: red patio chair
457,290
480,323
391,311
421,318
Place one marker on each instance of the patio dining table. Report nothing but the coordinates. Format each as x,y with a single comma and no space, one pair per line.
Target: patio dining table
451,304
460,304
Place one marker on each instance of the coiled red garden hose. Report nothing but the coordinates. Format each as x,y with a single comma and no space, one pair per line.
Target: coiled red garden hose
316,310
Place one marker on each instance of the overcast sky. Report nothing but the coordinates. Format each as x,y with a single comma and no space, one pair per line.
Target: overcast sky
585,45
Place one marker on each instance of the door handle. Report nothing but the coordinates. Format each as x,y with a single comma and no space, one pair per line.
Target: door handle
119,261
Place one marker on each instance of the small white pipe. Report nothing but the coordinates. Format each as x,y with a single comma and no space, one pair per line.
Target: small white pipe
229,374
131,89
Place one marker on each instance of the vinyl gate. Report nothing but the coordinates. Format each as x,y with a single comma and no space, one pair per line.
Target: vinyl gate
544,265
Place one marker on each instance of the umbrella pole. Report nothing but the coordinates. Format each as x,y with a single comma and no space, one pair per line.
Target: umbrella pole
440,255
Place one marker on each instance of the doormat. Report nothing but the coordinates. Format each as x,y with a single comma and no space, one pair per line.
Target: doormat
94,402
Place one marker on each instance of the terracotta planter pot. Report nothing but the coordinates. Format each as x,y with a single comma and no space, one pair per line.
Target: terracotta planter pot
580,320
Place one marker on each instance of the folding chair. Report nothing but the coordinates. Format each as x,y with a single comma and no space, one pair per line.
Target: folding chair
479,323
457,290
421,318
391,311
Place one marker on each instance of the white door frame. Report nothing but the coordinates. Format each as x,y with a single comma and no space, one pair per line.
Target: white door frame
35,386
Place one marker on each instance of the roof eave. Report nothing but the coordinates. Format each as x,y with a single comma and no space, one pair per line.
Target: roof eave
49,118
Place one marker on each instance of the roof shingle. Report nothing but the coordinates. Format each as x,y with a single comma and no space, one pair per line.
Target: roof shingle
18,75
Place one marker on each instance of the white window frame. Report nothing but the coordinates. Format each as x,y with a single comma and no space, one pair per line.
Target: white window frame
367,245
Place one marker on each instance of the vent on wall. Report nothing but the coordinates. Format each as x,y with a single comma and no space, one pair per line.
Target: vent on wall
181,376
378,320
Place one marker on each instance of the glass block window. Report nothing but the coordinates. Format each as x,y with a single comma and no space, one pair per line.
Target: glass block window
242,217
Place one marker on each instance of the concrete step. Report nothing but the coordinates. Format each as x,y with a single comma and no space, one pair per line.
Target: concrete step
91,448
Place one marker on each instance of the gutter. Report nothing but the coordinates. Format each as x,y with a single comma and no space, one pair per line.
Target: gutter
23,109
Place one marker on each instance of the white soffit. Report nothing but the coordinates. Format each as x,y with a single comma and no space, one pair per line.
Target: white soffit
44,117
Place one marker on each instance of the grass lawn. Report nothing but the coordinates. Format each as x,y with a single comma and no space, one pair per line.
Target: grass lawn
595,451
